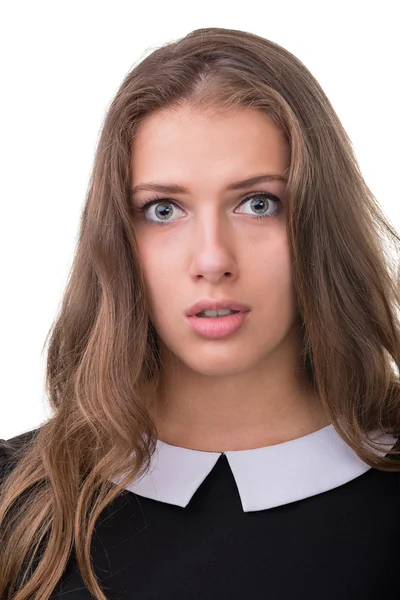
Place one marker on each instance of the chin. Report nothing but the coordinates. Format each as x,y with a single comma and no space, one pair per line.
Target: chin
218,366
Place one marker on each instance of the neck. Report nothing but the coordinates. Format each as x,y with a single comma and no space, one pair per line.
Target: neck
240,411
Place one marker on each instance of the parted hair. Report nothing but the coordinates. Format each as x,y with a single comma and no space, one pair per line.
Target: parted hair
102,351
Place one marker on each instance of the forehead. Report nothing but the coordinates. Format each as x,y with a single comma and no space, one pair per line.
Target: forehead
184,142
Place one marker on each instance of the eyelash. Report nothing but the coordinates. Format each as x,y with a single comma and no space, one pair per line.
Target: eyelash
154,200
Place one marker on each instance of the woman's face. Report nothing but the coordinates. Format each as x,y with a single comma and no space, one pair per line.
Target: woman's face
206,242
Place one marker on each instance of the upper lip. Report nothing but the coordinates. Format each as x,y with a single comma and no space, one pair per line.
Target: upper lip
215,305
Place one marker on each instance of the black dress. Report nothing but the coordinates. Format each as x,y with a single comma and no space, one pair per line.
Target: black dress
302,520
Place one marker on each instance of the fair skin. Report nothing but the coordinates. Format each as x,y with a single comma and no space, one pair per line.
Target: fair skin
247,390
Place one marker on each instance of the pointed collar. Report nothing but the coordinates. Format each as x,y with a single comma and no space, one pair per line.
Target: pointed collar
265,477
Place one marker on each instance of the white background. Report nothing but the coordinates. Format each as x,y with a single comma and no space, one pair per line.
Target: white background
62,63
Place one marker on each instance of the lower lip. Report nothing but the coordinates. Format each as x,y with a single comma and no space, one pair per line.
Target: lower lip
218,327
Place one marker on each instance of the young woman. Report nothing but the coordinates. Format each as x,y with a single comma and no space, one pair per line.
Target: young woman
223,373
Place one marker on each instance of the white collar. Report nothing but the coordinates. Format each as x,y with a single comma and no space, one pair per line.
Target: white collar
266,477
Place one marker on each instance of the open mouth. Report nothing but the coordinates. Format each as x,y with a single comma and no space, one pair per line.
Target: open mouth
215,314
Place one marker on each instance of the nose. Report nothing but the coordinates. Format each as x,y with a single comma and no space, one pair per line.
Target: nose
213,250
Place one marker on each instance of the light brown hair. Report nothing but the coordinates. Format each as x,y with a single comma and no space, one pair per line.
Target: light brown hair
102,362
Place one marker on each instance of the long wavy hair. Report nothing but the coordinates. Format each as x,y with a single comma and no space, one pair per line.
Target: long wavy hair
103,356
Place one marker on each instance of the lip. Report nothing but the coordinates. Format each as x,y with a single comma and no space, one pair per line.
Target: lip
219,327
206,304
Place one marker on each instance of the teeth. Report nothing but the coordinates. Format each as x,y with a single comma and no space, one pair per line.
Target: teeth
223,312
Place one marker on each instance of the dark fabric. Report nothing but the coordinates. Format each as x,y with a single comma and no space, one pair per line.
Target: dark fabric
339,544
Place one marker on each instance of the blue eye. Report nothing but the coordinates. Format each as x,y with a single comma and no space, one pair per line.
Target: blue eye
260,202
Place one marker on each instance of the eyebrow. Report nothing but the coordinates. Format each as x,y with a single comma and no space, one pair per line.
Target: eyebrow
179,189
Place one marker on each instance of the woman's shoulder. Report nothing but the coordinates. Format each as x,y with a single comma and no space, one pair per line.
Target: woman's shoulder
12,449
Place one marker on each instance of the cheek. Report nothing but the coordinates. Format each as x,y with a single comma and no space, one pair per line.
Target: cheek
272,281
279,270
270,263
160,267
